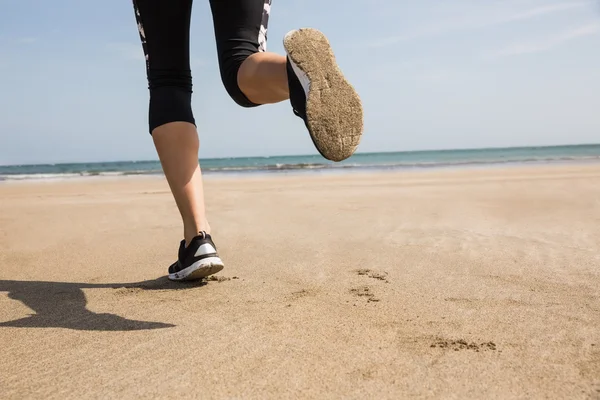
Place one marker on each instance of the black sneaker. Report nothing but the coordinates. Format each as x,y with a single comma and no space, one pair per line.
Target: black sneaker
196,261
321,96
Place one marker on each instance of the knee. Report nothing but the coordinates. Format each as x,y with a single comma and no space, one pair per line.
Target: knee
170,97
229,66
176,78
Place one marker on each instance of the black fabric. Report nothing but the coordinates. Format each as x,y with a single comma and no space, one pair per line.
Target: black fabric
237,25
297,94
164,32
164,25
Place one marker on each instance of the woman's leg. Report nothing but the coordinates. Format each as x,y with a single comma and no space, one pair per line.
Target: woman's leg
177,145
308,76
164,27
251,75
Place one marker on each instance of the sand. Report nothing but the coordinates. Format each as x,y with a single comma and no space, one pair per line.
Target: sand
472,284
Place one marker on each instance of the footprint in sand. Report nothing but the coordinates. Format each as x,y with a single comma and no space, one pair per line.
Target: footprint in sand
382,276
364,292
458,345
216,278
300,294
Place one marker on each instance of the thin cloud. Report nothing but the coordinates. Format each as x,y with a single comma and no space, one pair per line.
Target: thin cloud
549,9
27,40
434,76
421,71
530,47
18,40
477,22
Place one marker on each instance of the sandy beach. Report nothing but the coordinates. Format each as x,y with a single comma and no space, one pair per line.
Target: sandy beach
465,284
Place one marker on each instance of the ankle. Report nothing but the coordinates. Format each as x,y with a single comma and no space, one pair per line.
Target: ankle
190,231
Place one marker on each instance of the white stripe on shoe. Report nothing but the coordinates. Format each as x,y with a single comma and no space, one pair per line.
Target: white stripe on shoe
206,248
302,77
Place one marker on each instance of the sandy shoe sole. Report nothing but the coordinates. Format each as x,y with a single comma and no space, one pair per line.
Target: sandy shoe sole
334,110
198,270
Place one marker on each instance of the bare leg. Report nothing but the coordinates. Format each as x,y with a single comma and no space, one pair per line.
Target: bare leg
177,145
262,77
164,33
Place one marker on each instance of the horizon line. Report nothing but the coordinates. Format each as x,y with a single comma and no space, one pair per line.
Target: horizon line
315,155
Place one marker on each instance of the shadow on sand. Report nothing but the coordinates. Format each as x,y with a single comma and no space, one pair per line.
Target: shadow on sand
62,305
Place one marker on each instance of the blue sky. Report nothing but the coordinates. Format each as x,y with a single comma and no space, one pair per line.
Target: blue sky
433,74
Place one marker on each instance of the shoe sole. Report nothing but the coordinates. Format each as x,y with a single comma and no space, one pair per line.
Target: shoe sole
198,270
334,110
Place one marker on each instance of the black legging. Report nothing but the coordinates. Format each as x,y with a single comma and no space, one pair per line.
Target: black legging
164,26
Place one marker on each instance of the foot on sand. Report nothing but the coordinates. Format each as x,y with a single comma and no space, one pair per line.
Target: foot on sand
321,95
196,261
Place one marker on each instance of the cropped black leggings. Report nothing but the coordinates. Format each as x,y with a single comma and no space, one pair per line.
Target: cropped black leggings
240,30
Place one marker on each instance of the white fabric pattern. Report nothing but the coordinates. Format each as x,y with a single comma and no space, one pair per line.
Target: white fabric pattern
262,35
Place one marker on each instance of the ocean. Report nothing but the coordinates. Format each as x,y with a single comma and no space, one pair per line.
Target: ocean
316,163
